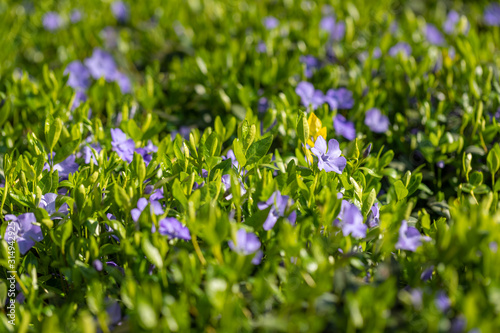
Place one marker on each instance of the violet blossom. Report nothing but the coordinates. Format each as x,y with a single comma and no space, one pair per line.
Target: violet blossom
409,238
309,96
171,227
344,127
246,242
279,204
26,233
329,160
350,220
376,121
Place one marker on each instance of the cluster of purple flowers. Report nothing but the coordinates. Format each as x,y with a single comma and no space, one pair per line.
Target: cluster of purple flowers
337,98
335,30
100,64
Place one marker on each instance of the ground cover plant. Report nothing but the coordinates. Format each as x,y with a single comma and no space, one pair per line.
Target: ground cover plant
236,166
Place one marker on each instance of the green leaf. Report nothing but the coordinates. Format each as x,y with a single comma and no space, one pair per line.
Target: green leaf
53,129
493,159
368,202
476,178
121,197
258,149
401,190
302,127
66,150
152,253
133,130
415,181
238,152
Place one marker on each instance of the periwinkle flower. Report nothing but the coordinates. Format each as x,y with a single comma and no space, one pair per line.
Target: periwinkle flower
156,208
344,127
279,204
451,22
121,145
367,151
270,22
311,62
123,82
336,30
80,97
48,202
79,76
51,21
427,274
309,96
440,164
101,64
261,47
351,220
258,257
246,242
76,16
329,160
401,47
230,155
492,14
374,216
442,301
26,234
226,183
263,105
89,155
339,98
120,11
97,264
409,238
433,35
376,121
65,167
172,228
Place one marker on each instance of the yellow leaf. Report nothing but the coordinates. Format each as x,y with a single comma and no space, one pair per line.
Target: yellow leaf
314,124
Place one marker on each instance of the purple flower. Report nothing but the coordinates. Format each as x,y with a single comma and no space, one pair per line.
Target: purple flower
416,297
123,82
65,167
26,234
440,164
451,22
427,274
230,155
336,30
279,204
433,35
263,104
97,264
351,220
156,208
442,301
79,76
51,21
400,47
48,202
270,22
339,98
258,257
80,97
171,227
344,127
155,194
374,217
88,154
331,160
409,238
246,242
121,145
312,63
492,14
101,64
120,11
309,96
261,47
110,37
76,16
376,121
226,183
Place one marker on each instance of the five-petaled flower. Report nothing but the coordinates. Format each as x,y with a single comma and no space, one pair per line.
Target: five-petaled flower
26,234
173,228
246,242
329,160
350,220
279,204
409,238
